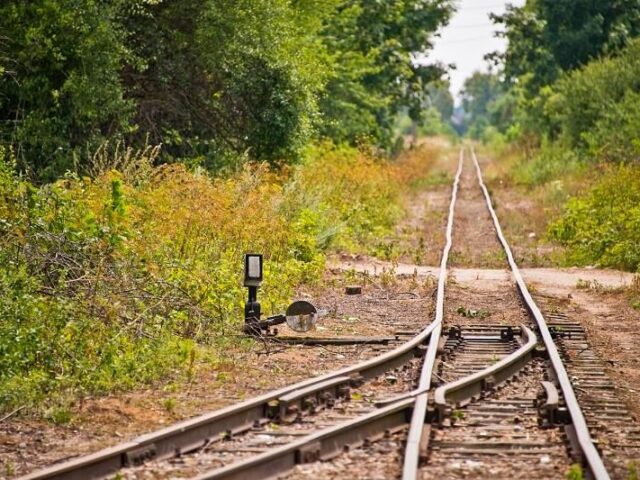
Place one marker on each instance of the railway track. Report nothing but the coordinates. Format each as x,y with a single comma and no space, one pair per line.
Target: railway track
471,397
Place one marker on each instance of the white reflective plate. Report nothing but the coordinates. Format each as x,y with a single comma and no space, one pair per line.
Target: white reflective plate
253,267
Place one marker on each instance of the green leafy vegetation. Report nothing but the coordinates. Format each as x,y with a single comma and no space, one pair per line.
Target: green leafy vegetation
575,472
603,227
146,145
116,280
563,103
216,82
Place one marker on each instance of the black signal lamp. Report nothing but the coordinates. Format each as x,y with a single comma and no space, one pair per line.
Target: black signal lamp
252,280
252,270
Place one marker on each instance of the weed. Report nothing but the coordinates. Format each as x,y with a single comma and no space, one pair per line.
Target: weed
388,277
601,227
114,281
575,472
456,415
633,472
470,313
169,404
59,415
9,468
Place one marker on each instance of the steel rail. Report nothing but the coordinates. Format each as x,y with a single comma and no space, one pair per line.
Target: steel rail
321,445
417,426
474,384
465,388
196,432
327,443
593,459
191,434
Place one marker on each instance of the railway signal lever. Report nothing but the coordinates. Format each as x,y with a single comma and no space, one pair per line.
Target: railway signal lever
301,316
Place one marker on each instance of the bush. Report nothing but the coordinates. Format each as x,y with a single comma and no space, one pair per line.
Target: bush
603,227
551,162
586,96
615,136
112,281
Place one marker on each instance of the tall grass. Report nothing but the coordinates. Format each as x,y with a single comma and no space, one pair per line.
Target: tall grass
112,281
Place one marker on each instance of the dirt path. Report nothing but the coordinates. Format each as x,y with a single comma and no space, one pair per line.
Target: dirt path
474,240
564,280
386,305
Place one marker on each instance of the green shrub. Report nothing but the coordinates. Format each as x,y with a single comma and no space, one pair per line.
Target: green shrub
586,96
551,161
615,136
110,282
603,226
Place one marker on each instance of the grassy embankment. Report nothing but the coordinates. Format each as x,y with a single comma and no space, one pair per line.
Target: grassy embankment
114,281
580,191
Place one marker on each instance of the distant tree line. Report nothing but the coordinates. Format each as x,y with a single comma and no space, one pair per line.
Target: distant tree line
533,91
214,81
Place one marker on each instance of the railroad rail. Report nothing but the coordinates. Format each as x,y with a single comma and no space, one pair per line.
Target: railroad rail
485,359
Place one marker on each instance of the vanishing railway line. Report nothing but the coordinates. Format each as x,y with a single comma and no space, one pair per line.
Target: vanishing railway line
478,393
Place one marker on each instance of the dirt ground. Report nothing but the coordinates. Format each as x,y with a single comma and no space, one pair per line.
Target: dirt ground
474,240
386,305
396,296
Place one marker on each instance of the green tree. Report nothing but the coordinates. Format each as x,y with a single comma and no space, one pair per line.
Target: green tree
65,92
214,81
221,77
373,47
440,97
480,95
547,37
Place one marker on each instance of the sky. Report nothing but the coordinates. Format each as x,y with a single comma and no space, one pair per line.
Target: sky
468,37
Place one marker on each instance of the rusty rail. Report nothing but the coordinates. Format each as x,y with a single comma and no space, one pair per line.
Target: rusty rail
321,445
593,459
417,427
466,388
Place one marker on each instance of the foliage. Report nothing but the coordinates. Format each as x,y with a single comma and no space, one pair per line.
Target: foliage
373,45
486,104
575,472
603,226
64,90
547,37
551,163
615,136
218,78
593,98
112,281
217,82
341,212
441,99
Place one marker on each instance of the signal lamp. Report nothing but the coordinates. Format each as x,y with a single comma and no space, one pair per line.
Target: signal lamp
252,280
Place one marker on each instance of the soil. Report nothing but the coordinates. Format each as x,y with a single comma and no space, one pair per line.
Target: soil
419,236
474,240
396,296
383,308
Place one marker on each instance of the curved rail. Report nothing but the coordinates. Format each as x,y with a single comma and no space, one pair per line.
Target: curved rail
585,441
467,387
416,428
193,433
321,445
